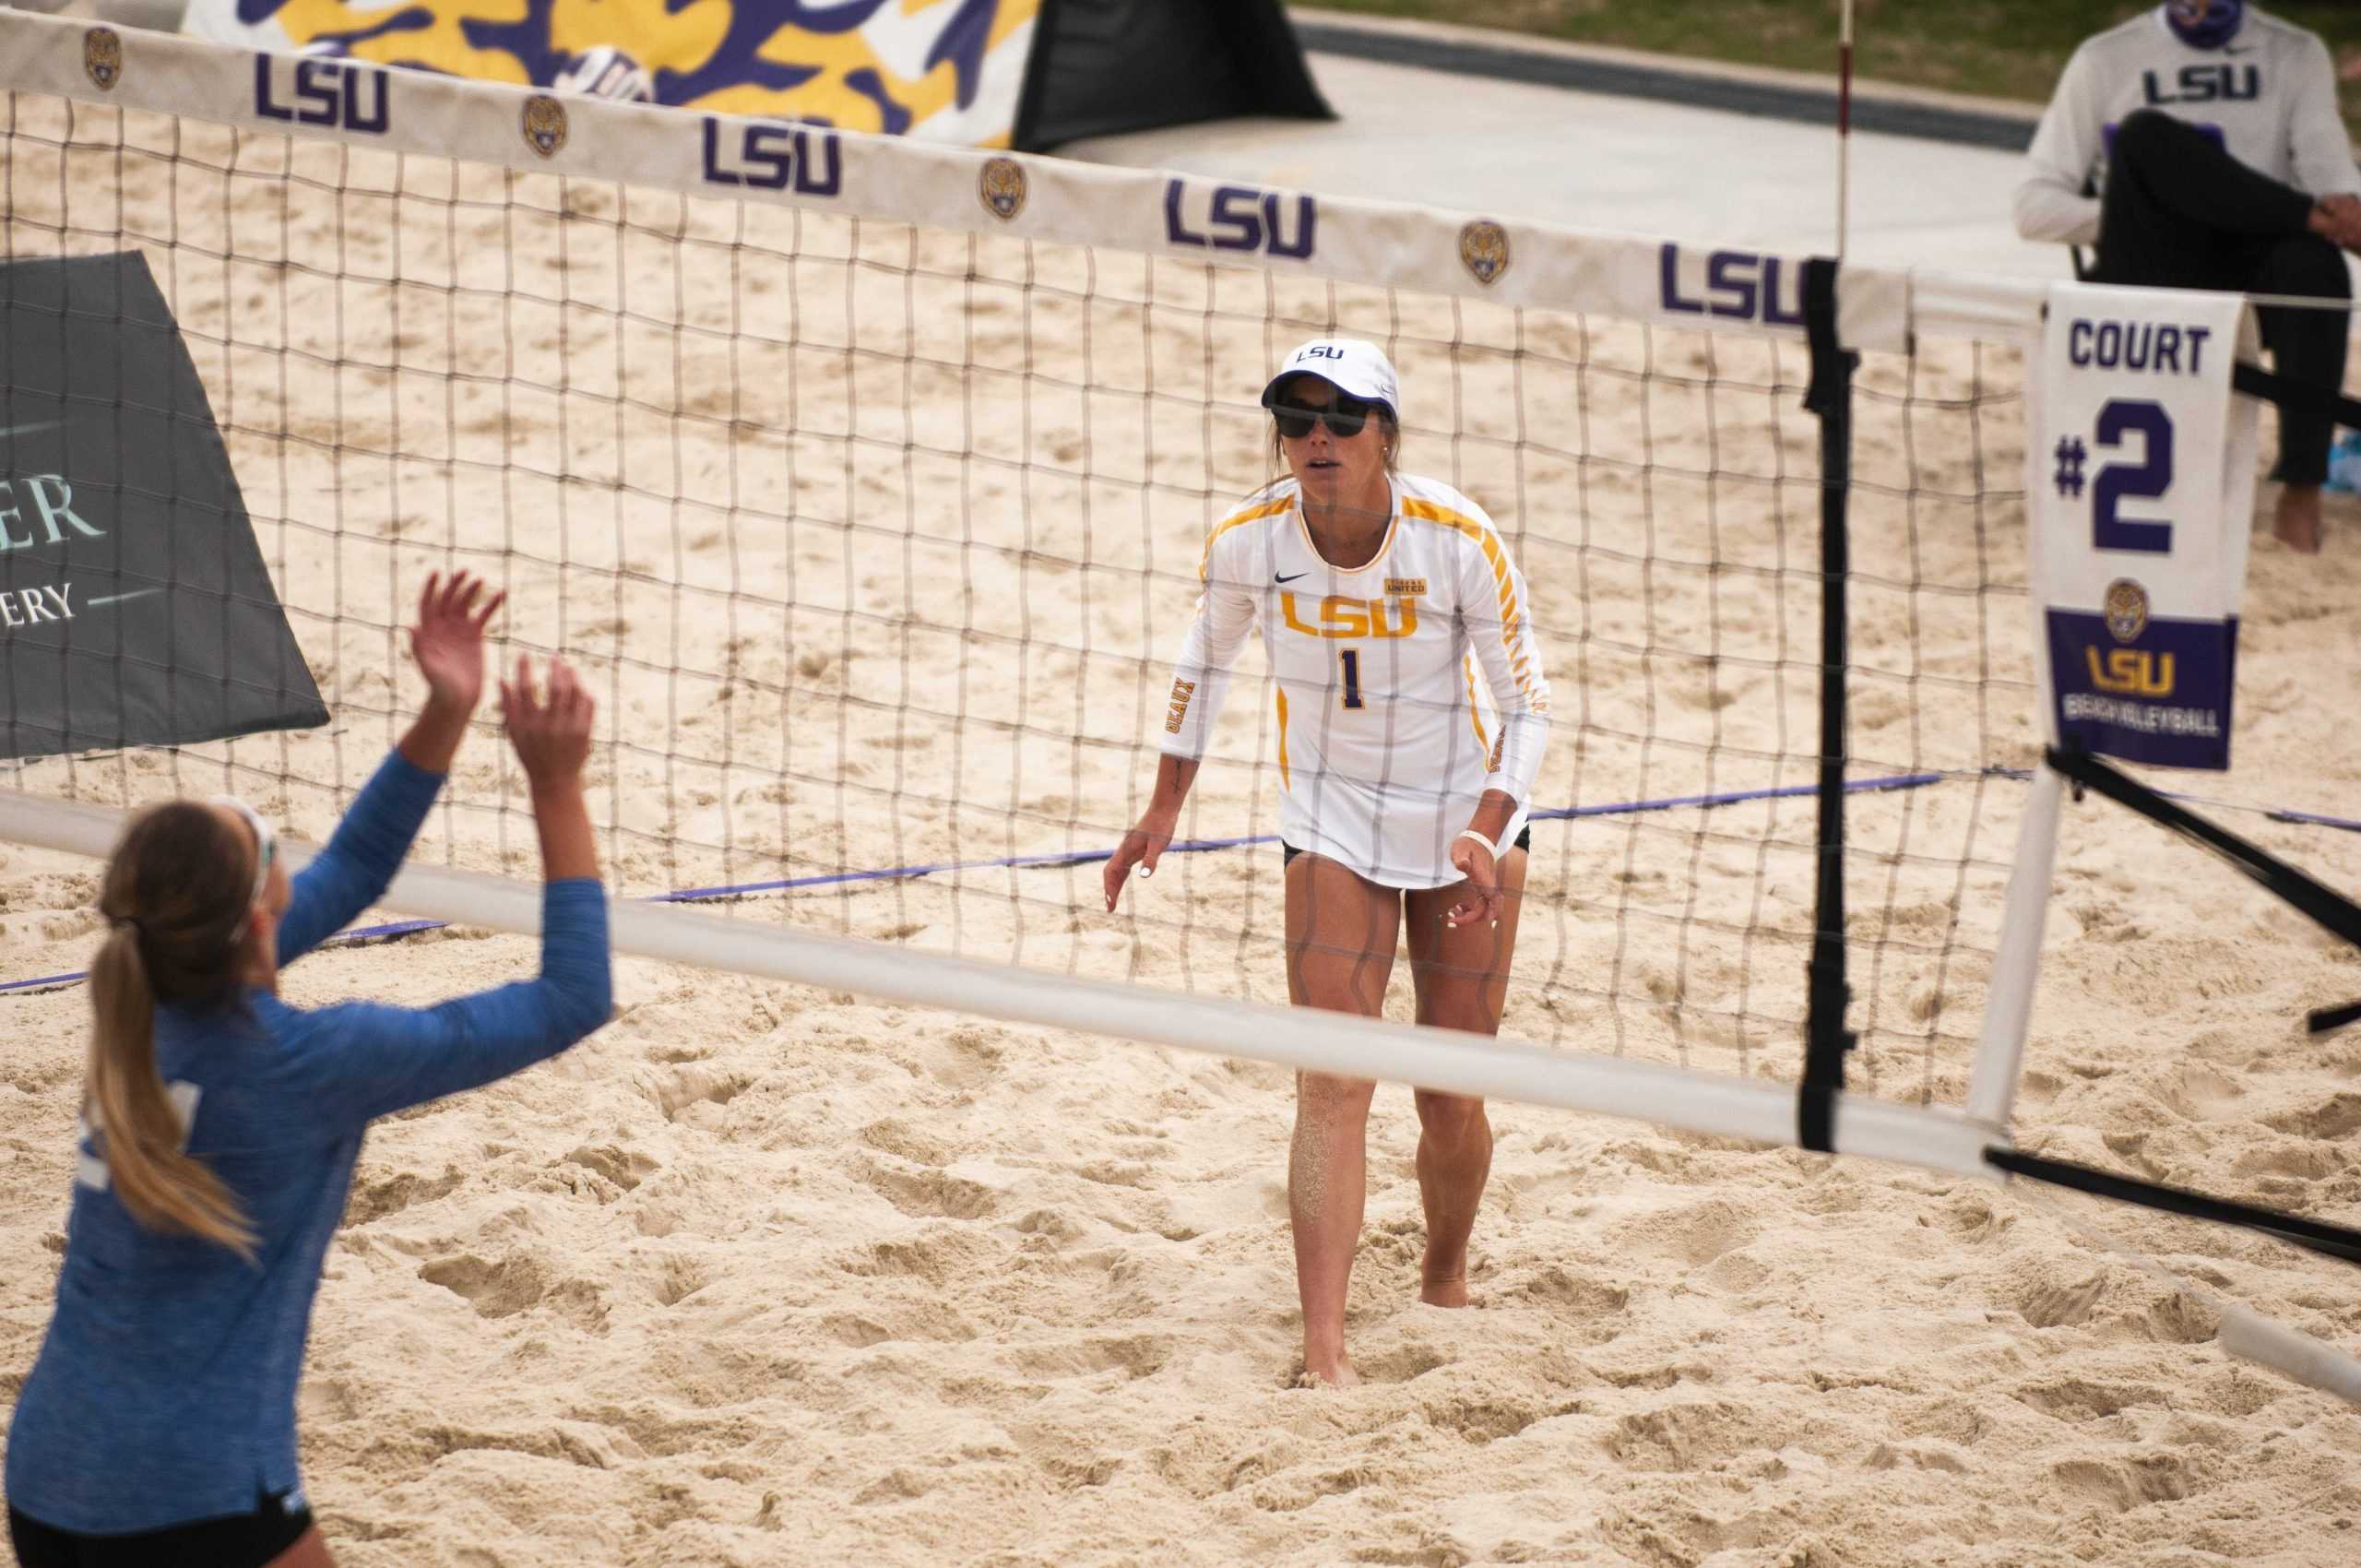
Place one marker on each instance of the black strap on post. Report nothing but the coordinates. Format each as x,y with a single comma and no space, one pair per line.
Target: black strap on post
2331,1240
1826,1039
2331,910
2328,908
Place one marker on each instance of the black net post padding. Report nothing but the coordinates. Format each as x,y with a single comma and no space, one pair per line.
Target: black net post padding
1830,397
2302,395
2313,1235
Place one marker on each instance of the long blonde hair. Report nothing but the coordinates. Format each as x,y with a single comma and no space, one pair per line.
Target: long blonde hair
176,900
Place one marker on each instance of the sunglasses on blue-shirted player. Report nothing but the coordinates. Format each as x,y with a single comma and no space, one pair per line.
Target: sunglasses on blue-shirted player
1344,418
266,841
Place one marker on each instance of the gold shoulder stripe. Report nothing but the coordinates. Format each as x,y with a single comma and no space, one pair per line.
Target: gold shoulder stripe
1251,514
1503,583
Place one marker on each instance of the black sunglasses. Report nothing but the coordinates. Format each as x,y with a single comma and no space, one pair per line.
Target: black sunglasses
1344,418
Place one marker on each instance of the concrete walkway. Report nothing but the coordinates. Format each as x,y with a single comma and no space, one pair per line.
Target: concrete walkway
1611,161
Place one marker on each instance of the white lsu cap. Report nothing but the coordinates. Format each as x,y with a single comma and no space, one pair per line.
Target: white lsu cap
1354,367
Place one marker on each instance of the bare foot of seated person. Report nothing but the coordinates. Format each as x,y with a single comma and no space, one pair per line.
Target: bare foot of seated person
2296,522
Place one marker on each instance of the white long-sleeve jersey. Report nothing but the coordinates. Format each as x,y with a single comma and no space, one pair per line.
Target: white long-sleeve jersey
2271,93
1386,737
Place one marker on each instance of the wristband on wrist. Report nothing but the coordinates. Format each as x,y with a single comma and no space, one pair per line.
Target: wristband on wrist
1490,847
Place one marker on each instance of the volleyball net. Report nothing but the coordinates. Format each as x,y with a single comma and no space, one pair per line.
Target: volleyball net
867,482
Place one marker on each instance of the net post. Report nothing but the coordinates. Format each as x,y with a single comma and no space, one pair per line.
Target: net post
1830,397
2000,1043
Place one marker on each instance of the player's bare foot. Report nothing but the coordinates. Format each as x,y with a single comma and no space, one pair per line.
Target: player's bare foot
2296,520
1337,1374
1448,1291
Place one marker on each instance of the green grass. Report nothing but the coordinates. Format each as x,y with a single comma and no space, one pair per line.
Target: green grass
1994,48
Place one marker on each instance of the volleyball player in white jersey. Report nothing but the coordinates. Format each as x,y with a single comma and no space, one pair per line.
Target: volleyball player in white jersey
1391,612
2198,146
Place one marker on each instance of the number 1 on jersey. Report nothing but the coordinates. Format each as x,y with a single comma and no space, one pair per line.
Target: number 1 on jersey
1350,658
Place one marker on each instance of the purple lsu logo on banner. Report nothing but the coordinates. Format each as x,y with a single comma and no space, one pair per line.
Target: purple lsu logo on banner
1739,285
2148,690
773,157
323,92
1241,217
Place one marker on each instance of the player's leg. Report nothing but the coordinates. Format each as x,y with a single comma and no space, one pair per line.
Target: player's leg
1461,978
2177,205
1341,936
2307,346
311,1551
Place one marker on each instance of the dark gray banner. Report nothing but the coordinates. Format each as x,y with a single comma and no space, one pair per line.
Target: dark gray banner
135,608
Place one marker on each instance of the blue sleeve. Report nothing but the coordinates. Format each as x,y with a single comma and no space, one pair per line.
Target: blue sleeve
363,1060
361,858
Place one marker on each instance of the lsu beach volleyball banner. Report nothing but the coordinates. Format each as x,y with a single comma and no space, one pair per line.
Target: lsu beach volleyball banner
2139,484
947,70
1049,200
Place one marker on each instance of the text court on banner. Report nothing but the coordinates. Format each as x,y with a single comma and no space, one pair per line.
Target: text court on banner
2139,464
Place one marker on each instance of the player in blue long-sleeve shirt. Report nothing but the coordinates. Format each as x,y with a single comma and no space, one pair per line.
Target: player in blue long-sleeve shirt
158,1425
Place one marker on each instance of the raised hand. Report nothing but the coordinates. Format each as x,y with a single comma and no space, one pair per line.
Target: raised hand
447,641
551,736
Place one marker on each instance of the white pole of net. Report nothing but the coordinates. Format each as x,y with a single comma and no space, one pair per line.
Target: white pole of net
2016,966
1844,124
1718,1104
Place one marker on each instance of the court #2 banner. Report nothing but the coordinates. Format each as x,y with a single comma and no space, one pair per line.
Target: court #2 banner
947,70
2139,485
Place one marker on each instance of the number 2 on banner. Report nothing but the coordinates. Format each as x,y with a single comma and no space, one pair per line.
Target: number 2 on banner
2143,481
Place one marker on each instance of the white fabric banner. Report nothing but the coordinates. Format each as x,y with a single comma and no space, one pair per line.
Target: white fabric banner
1194,217
2140,486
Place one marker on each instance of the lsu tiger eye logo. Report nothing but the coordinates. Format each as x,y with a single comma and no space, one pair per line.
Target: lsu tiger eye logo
102,57
1002,187
1483,250
2126,609
544,124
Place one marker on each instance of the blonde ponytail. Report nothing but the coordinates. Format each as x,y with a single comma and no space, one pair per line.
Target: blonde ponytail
139,1134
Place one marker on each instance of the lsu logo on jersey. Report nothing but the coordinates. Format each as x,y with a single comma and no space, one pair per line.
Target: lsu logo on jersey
544,124
1341,617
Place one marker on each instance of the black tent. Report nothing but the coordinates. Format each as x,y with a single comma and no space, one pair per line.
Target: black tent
135,608
1099,67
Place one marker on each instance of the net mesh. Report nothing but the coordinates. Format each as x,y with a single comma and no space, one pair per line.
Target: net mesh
876,543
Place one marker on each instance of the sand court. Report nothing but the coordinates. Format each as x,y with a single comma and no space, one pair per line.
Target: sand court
875,543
